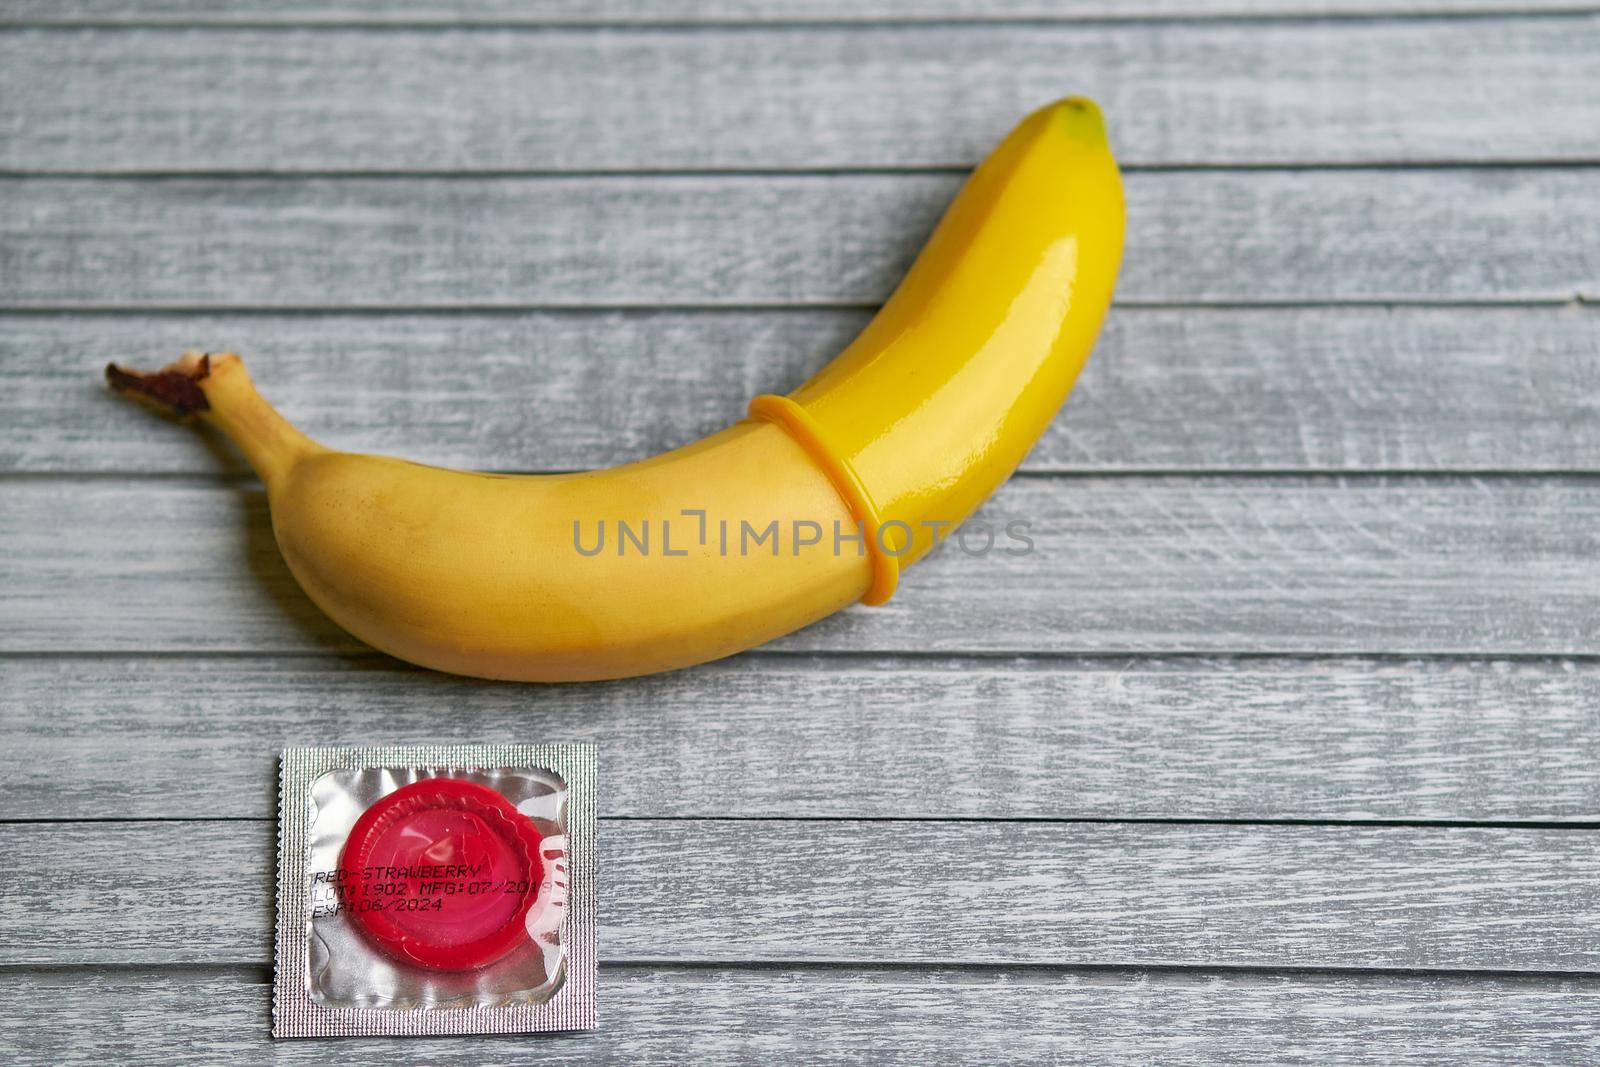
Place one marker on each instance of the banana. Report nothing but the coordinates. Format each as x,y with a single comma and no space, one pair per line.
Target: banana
815,500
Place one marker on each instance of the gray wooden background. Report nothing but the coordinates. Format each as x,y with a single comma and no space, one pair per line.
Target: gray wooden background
1286,744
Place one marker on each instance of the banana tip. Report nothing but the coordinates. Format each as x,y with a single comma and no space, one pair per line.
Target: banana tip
1080,113
173,390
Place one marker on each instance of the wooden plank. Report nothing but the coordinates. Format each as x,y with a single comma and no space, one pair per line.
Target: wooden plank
905,892
698,12
1276,564
926,738
1357,92
726,1016
1197,389
1252,237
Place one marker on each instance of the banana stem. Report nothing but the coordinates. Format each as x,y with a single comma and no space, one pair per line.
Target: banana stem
217,390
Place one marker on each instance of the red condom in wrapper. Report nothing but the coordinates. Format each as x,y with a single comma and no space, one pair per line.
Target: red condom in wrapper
442,874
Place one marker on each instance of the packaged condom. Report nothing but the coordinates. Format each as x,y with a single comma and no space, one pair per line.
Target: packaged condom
435,890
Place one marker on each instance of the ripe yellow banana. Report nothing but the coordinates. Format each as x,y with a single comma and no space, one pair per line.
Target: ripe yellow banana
859,470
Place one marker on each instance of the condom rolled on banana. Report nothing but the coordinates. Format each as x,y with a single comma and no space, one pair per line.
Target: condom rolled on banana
650,566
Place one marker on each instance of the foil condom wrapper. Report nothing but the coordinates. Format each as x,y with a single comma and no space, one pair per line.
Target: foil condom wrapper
435,889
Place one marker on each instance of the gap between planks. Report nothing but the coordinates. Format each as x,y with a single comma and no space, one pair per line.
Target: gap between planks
956,970
692,173
955,820
60,17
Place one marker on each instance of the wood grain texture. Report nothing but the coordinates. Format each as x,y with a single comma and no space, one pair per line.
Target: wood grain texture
84,738
1199,389
724,1016
441,100
1380,565
693,12
919,892
1253,237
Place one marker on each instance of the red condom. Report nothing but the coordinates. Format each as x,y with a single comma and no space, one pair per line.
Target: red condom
442,874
